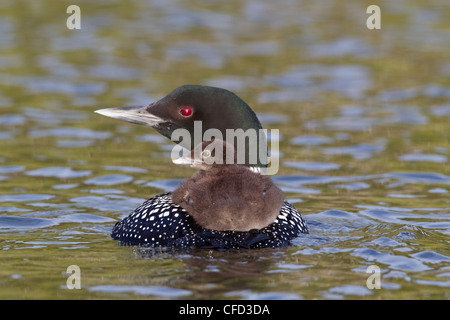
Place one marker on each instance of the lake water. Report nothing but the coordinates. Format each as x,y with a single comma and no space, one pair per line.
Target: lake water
364,153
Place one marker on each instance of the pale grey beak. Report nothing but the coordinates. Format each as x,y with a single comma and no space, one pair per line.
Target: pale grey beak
188,160
137,115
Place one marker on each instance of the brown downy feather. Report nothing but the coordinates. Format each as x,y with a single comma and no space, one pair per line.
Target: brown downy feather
229,197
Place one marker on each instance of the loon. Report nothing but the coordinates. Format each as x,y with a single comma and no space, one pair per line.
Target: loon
159,222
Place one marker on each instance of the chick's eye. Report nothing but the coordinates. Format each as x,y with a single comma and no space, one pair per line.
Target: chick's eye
206,154
186,112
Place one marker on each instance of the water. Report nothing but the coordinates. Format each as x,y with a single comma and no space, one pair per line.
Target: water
364,126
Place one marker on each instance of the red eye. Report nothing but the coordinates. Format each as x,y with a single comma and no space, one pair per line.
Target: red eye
186,112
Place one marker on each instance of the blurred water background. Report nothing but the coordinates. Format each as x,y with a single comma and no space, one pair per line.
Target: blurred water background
364,152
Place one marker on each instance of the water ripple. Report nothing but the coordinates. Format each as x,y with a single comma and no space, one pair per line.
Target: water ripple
158,291
17,222
58,172
109,180
25,197
396,262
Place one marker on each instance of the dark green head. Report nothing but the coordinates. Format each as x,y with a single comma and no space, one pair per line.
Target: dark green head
212,108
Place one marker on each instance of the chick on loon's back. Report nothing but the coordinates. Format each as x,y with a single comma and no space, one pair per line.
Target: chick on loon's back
161,222
226,196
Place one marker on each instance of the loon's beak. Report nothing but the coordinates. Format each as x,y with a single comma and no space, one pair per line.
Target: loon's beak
138,115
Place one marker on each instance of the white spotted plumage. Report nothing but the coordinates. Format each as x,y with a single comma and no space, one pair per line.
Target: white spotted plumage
159,222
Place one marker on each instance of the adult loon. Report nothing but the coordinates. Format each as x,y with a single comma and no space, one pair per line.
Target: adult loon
161,222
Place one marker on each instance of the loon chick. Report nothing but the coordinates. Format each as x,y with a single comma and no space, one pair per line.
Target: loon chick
226,196
159,221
